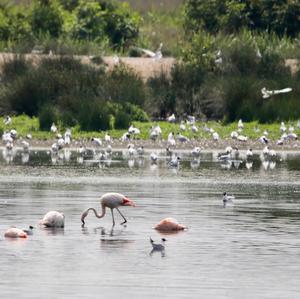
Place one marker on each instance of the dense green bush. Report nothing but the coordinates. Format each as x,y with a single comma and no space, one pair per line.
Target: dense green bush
230,16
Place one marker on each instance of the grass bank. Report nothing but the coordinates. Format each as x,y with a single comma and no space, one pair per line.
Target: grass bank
26,125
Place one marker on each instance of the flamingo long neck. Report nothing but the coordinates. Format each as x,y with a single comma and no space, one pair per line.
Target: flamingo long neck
95,212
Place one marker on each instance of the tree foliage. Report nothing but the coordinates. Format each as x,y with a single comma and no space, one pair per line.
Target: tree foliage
280,17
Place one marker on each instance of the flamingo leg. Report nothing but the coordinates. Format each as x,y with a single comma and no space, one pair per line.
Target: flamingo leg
113,218
122,216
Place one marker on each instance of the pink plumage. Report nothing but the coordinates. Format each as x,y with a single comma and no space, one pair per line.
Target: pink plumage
169,224
14,232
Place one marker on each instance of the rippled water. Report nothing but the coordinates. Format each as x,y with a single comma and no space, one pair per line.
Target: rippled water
247,250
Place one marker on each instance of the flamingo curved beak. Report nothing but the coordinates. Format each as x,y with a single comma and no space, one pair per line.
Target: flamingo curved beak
128,202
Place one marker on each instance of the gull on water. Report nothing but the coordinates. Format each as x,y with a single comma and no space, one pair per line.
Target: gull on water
227,198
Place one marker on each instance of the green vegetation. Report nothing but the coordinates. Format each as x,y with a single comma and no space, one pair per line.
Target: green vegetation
227,52
25,125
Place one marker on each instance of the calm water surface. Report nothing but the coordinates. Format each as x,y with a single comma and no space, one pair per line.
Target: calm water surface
247,250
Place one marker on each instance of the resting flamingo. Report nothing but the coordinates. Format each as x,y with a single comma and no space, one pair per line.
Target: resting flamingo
169,224
14,232
112,201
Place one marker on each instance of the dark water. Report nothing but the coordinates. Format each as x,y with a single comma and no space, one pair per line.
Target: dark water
250,249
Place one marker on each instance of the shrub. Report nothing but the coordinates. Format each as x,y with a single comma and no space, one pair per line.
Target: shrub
47,116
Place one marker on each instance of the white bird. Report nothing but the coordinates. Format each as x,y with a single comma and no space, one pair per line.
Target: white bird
13,133
96,141
242,138
133,130
53,128
153,157
125,137
196,152
25,145
282,127
107,138
182,126
158,247
156,55
53,219
174,162
182,138
68,135
194,128
191,119
291,129
234,134
240,124
292,136
140,151
227,198
131,150
272,153
171,139
116,59
6,137
249,153
7,120
268,93
215,136
109,149
171,118
266,151
263,139
60,143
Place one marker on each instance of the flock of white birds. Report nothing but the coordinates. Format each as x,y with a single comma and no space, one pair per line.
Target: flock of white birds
102,148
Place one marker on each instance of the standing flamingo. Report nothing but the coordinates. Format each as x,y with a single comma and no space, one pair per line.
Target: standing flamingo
112,201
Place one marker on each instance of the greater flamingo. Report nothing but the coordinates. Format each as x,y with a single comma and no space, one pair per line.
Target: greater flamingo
14,232
169,224
112,201
53,219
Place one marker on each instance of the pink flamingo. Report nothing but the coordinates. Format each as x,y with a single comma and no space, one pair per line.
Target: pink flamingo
169,224
112,201
14,232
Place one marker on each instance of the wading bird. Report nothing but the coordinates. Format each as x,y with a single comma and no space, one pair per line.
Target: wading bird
112,201
53,219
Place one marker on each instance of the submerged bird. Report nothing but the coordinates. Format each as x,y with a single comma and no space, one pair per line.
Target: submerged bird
14,232
53,219
268,93
112,201
169,224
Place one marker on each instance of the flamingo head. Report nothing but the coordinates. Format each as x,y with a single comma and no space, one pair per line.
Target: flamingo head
84,214
128,202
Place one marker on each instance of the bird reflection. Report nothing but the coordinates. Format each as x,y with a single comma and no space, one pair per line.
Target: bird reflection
24,157
195,163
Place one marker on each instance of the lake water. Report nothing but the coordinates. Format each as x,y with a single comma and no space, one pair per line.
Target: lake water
250,249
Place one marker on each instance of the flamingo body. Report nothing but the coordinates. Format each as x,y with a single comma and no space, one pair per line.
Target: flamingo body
14,232
169,224
53,219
